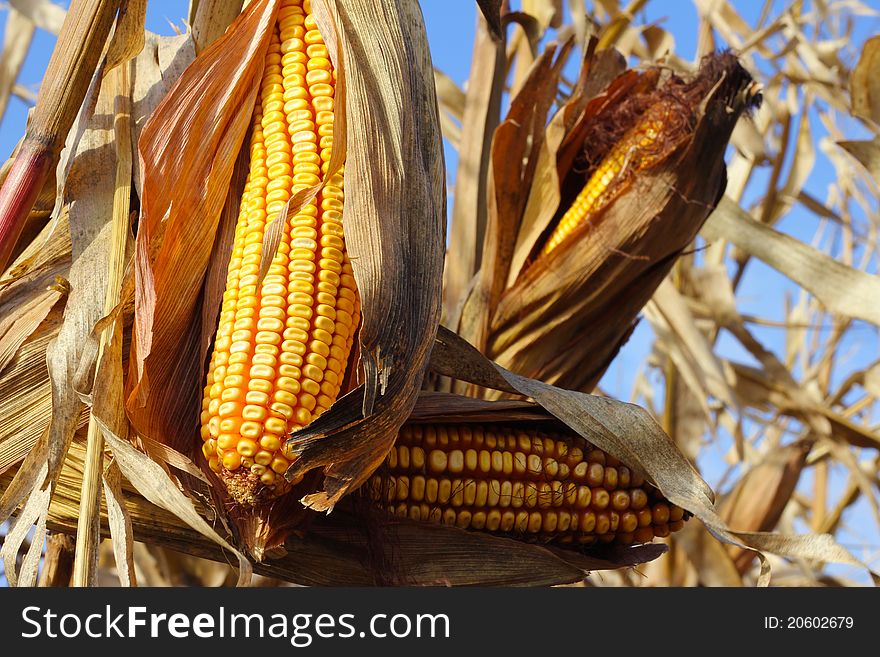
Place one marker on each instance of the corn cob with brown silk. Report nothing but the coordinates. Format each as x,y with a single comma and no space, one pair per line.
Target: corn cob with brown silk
638,149
520,482
282,344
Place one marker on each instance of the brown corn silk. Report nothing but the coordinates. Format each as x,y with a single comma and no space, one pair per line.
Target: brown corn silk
283,340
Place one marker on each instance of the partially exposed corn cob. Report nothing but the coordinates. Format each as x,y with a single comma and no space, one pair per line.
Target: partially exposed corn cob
283,344
535,485
639,148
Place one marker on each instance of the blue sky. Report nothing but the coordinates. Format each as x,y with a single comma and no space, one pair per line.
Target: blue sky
450,25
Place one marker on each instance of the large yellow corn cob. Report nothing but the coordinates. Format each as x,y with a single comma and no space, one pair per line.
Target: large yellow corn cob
522,482
282,344
634,152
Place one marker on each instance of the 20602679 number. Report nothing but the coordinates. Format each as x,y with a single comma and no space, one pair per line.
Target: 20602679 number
819,622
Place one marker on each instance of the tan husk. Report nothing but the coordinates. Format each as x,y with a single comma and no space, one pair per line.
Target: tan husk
760,497
210,19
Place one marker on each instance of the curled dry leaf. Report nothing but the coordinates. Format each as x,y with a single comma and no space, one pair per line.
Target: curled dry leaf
840,288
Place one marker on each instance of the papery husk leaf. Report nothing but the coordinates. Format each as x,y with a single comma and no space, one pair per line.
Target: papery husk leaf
604,82
154,484
468,224
128,35
424,554
516,145
761,495
25,391
629,433
27,300
119,521
209,20
188,149
156,69
394,217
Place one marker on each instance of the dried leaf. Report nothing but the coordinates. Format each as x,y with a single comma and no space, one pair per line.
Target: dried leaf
17,38
482,112
18,327
518,140
128,34
865,82
760,496
156,69
121,530
154,484
867,153
89,187
45,14
841,289
210,19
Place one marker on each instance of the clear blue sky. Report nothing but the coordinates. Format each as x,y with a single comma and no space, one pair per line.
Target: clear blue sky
450,25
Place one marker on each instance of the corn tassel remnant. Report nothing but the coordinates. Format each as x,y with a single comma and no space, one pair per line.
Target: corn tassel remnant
283,344
524,483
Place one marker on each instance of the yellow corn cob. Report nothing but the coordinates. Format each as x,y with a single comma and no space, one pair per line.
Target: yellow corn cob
634,152
282,345
526,483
